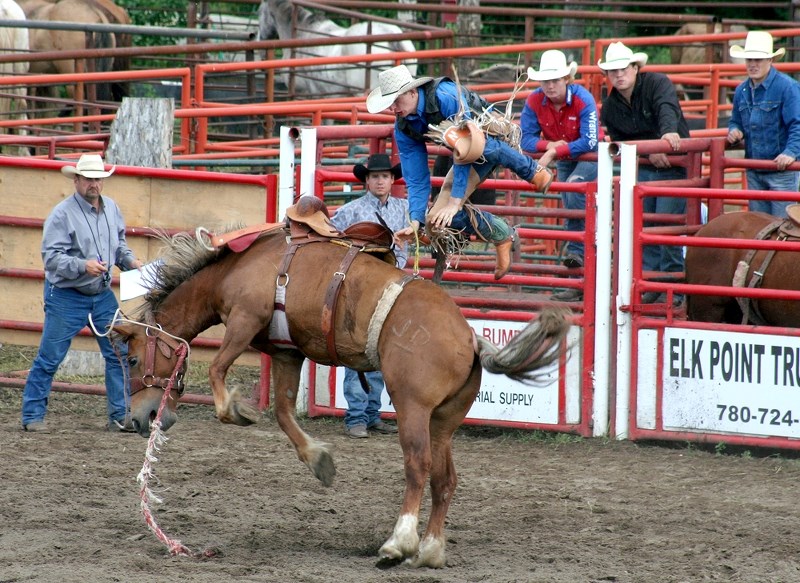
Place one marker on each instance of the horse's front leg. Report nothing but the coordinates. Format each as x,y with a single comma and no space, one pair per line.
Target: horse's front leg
230,406
286,367
415,442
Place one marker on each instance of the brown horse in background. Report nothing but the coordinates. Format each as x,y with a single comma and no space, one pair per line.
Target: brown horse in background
80,11
715,266
12,42
409,328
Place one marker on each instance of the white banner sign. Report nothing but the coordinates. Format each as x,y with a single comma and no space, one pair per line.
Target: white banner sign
503,399
730,382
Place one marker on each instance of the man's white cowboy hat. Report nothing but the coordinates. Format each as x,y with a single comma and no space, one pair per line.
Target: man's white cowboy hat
757,45
392,83
553,65
88,166
618,56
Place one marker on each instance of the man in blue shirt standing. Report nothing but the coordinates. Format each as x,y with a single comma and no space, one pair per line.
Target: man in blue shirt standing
419,104
363,408
766,114
84,237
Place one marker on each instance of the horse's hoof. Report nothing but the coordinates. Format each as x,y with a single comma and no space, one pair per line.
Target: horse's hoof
324,468
388,562
244,414
238,411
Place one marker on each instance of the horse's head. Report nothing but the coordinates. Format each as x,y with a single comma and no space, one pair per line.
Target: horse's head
157,363
267,28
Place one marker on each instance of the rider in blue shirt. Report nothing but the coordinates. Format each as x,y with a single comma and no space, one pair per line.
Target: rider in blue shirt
424,102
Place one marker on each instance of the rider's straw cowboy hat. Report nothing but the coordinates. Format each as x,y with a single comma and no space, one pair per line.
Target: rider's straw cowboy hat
377,163
392,83
618,56
553,65
757,45
88,166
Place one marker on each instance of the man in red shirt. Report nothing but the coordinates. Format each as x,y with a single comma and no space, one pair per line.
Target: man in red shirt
560,120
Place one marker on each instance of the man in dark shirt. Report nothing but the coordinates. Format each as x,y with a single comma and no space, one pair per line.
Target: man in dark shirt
644,106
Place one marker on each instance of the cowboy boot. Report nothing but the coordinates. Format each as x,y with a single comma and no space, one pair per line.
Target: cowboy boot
503,250
541,179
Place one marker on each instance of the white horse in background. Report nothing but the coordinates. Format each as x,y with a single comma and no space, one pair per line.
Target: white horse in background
275,21
13,104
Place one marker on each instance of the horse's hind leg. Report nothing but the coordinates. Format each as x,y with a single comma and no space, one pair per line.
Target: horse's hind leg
444,421
413,423
286,368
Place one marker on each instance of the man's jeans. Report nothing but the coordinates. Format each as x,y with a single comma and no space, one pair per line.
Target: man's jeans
362,408
575,171
768,180
496,153
66,312
667,258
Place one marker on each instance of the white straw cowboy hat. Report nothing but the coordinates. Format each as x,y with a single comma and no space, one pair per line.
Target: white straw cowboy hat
553,65
392,83
89,166
618,56
757,45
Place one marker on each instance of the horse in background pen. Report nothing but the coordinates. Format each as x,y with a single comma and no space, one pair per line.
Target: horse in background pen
78,11
284,20
745,268
13,103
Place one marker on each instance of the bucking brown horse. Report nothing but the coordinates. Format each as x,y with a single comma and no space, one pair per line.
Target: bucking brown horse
308,291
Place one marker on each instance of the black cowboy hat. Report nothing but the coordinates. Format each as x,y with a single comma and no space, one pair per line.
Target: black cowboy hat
376,163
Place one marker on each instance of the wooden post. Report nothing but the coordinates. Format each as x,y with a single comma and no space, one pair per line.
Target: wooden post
141,134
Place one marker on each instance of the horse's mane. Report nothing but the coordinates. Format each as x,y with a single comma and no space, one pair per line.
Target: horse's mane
181,256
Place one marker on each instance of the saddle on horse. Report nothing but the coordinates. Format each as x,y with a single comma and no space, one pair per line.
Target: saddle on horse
308,221
786,229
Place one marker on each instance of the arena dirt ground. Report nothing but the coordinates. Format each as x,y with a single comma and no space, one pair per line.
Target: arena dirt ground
529,508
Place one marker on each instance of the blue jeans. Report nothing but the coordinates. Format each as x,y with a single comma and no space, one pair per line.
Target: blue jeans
490,227
362,408
66,312
667,258
496,153
767,180
575,171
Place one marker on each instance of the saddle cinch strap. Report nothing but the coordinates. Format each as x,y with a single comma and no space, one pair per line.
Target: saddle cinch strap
787,229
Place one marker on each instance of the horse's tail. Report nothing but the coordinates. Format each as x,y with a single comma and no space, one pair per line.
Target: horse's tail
538,345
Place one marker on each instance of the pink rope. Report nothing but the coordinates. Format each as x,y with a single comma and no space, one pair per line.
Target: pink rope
146,494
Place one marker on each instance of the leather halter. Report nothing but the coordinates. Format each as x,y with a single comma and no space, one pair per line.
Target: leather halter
167,346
